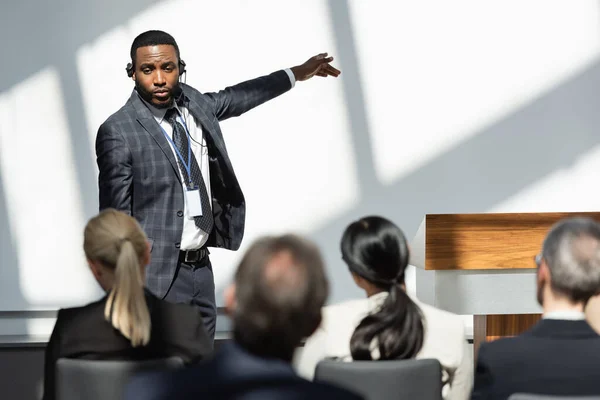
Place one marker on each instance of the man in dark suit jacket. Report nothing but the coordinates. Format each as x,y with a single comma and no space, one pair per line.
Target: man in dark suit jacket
275,302
82,332
559,355
162,159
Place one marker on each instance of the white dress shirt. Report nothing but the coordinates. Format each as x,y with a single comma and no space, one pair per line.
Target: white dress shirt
192,237
568,315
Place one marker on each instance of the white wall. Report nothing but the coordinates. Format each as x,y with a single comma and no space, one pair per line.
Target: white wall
462,106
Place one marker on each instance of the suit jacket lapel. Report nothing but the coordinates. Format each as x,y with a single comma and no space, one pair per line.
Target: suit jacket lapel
202,117
146,119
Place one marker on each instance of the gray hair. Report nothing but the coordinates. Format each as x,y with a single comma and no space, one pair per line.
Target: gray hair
572,252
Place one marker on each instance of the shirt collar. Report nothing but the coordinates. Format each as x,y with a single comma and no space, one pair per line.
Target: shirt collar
159,113
565,315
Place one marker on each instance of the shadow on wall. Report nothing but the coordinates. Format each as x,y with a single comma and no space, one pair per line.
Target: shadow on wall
38,34
548,134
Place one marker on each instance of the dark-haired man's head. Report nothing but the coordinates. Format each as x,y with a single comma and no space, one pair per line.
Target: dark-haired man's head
277,295
155,62
569,265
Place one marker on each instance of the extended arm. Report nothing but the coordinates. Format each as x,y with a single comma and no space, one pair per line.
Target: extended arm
236,100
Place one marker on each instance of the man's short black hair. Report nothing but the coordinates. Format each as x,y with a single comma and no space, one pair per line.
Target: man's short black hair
152,38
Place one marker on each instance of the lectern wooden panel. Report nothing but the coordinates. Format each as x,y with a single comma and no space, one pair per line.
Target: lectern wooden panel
487,241
488,256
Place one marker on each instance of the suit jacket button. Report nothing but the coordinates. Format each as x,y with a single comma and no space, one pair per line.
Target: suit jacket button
180,213
177,245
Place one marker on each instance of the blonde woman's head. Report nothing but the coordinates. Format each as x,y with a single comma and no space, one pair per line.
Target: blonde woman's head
117,251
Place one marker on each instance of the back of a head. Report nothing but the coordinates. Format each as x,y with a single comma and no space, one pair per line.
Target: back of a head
376,250
117,242
280,290
572,252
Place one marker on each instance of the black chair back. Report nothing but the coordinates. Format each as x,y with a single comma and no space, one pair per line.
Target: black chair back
78,379
385,380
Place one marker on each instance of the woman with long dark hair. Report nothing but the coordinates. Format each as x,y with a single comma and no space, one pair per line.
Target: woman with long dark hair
389,324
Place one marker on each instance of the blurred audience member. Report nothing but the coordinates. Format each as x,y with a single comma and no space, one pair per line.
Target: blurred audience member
559,355
274,302
128,323
389,324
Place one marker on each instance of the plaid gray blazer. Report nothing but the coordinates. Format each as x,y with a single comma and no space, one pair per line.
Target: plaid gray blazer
139,174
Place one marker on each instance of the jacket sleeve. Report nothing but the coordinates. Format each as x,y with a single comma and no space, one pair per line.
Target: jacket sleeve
52,354
115,177
236,100
483,376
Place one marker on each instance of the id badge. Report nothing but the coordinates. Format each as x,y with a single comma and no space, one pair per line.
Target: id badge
193,202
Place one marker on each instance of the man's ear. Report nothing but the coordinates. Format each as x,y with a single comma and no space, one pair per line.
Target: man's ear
544,272
230,300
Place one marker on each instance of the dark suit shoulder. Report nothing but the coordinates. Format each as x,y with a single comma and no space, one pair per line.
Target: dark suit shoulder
84,332
201,99
81,314
503,351
572,345
123,115
554,335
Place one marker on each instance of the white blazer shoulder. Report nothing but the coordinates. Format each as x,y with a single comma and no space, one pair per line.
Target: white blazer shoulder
444,340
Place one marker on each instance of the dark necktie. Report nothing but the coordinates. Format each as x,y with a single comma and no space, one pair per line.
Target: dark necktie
180,139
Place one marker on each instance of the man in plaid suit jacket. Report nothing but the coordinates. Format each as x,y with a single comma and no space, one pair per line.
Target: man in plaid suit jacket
141,170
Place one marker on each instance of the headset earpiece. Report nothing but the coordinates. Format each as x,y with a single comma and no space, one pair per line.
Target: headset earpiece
181,67
129,69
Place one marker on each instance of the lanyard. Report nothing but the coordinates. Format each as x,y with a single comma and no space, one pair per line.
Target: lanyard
188,165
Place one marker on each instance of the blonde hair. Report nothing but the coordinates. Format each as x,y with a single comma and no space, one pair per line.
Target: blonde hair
116,241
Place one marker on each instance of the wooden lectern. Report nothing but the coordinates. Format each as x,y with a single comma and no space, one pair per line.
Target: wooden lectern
483,265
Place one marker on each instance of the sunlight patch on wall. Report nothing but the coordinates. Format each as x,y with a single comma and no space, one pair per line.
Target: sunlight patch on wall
569,189
104,83
436,72
42,195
